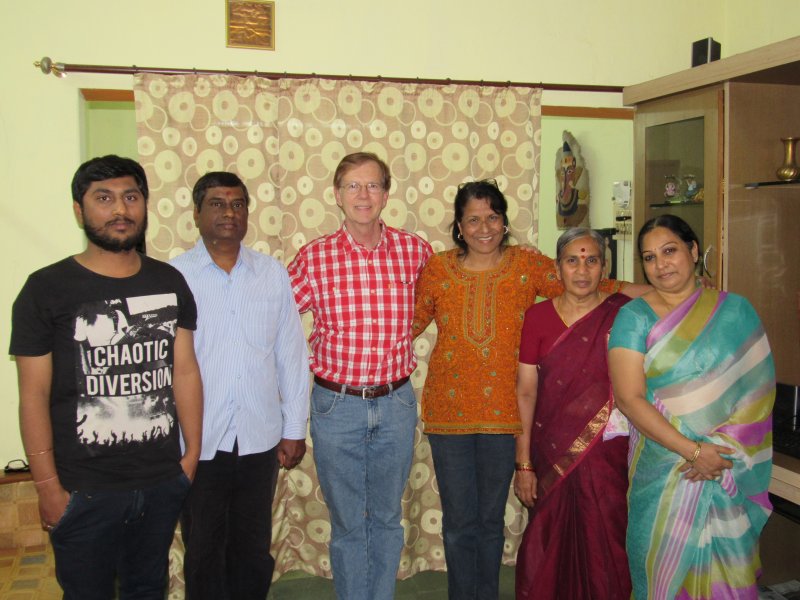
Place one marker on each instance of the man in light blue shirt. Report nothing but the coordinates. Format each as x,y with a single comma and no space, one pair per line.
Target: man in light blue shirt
254,363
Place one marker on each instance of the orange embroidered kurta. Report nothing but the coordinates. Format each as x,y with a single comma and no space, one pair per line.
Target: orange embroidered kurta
472,372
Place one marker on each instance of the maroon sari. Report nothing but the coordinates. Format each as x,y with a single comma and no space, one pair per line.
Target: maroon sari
574,545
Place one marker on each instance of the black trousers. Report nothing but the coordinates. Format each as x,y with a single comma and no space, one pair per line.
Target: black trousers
226,525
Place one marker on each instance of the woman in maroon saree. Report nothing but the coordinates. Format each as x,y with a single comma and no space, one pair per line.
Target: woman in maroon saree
572,479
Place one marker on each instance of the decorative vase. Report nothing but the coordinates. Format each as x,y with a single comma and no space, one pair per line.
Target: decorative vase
789,170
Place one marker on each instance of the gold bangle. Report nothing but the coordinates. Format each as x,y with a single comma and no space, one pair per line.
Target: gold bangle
523,466
695,455
29,454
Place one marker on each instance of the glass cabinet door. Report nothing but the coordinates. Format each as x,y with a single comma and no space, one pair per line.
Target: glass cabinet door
678,168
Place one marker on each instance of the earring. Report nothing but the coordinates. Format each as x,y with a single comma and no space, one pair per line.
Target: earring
505,229
459,236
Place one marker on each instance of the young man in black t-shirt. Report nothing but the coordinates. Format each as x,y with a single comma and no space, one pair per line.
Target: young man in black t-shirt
107,382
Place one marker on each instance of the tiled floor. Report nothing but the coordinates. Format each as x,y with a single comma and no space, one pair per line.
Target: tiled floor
29,574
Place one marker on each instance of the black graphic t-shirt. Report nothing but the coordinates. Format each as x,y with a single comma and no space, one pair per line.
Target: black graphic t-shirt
112,342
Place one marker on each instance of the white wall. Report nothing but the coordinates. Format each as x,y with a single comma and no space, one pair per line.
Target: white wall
615,42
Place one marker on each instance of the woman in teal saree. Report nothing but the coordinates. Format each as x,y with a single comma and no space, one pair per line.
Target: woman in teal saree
693,372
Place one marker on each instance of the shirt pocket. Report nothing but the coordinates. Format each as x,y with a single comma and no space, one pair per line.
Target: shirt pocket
260,320
400,291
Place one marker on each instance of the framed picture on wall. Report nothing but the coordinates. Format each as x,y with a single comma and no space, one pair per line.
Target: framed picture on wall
250,24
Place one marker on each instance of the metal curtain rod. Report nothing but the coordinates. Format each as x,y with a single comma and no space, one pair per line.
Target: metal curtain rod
59,69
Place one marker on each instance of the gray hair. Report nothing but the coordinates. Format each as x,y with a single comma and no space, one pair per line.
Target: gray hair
574,233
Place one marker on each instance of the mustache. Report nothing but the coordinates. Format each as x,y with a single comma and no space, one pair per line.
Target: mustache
125,220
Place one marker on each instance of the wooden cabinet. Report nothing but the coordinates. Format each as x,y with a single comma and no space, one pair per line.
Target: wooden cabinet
678,166
722,122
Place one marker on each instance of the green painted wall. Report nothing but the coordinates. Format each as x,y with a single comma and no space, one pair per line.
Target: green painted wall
110,129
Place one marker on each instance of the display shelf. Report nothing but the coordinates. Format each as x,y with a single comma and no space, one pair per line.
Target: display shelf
673,204
757,184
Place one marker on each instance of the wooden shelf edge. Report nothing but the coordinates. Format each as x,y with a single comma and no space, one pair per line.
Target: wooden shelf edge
785,481
14,477
98,95
772,55
623,114
785,490
775,184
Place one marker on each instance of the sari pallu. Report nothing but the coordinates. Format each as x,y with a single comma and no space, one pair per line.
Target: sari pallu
574,545
710,373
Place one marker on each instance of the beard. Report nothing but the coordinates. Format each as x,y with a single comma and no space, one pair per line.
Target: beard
96,235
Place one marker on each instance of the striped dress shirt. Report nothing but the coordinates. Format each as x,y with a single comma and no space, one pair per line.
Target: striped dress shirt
251,350
363,304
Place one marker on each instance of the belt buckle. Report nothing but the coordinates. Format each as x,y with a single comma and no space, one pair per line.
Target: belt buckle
364,391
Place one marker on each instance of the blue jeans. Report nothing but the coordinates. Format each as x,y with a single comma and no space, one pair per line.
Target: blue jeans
363,452
124,534
474,474
226,526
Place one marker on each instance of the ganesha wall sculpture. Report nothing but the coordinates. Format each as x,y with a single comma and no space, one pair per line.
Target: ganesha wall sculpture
572,185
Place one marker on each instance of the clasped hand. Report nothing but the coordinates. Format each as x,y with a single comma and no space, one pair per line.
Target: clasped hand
709,464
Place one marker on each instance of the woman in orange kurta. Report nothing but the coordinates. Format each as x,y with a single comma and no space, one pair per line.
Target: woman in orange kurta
477,294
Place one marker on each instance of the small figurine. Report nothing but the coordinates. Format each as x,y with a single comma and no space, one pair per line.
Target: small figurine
690,183
670,187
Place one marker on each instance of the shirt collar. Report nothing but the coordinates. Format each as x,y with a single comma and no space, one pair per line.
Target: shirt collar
350,244
204,259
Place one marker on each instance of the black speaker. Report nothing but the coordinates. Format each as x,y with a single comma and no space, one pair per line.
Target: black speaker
705,51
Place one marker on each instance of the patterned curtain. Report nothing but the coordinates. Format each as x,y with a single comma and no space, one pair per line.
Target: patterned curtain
284,138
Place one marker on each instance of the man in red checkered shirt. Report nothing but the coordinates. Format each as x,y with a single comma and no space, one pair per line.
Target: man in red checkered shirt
359,284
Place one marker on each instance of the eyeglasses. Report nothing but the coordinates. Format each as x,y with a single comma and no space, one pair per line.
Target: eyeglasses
17,466
354,188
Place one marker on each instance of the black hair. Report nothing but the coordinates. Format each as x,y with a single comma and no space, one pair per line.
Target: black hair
217,179
486,189
101,168
676,225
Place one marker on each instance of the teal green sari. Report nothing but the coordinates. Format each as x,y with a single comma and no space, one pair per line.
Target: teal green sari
710,373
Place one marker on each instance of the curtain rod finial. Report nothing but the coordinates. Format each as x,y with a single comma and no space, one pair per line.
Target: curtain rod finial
47,66
44,65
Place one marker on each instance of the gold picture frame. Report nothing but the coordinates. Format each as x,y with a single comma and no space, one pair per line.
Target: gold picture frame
250,24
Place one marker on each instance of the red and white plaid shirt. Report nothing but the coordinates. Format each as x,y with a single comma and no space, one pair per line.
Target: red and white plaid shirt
363,304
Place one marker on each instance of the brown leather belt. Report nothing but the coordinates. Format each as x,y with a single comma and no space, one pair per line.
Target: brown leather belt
367,393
